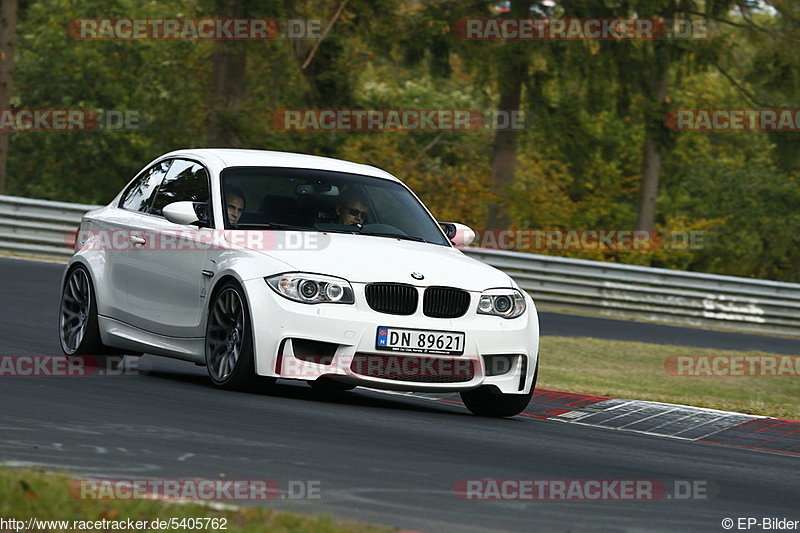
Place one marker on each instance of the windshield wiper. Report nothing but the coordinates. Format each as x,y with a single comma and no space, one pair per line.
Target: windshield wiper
393,235
353,231
273,225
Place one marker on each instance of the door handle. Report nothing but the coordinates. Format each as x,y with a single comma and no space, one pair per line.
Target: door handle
138,240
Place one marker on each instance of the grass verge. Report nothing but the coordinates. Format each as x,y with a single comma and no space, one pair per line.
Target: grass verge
34,493
636,370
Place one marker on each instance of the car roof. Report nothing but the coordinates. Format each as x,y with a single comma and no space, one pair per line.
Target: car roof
231,157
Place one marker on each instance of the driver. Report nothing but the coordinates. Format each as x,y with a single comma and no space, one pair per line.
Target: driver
352,208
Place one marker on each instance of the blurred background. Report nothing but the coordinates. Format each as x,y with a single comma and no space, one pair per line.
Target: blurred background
595,151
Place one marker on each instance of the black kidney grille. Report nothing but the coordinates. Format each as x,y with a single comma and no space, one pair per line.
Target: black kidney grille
445,302
392,298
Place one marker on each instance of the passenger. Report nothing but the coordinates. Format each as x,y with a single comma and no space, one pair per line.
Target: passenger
234,203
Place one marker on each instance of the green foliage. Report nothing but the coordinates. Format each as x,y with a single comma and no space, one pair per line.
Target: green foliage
579,160
161,80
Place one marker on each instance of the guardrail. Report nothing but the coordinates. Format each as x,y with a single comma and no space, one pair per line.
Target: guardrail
39,227
656,294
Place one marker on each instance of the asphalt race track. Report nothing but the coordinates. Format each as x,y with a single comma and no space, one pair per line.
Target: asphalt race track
384,458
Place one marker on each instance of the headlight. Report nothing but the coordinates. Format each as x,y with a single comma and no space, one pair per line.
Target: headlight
507,303
312,288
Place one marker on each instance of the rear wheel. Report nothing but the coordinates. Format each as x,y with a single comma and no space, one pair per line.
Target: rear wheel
78,329
229,341
486,401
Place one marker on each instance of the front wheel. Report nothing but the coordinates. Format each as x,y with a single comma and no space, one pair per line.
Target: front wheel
486,401
229,341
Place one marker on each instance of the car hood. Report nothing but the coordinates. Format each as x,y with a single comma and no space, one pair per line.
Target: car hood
365,259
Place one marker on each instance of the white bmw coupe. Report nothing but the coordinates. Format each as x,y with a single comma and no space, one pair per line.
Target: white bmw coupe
264,265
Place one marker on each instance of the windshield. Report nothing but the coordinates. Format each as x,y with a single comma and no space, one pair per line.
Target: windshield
320,200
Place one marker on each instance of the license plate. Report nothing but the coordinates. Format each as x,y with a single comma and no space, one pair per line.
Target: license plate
419,341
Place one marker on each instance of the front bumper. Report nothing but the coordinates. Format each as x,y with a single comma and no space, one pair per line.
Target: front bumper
348,332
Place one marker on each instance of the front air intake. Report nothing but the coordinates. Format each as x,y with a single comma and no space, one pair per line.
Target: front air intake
412,368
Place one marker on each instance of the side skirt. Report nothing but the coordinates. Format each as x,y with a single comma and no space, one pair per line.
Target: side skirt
122,335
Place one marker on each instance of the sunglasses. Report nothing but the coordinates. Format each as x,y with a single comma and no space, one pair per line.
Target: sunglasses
356,212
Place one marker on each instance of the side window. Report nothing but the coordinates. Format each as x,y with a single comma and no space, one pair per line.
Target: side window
186,181
140,194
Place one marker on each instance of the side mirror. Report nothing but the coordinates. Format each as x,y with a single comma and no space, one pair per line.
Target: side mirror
459,234
182,213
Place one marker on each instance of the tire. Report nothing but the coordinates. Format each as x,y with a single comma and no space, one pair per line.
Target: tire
486,401
324,384
229,341
78,329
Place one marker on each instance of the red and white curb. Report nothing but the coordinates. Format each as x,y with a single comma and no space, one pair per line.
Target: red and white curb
668,420
662,419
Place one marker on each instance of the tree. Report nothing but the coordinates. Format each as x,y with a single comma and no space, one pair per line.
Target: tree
8,40
653,66
512,60
228,80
